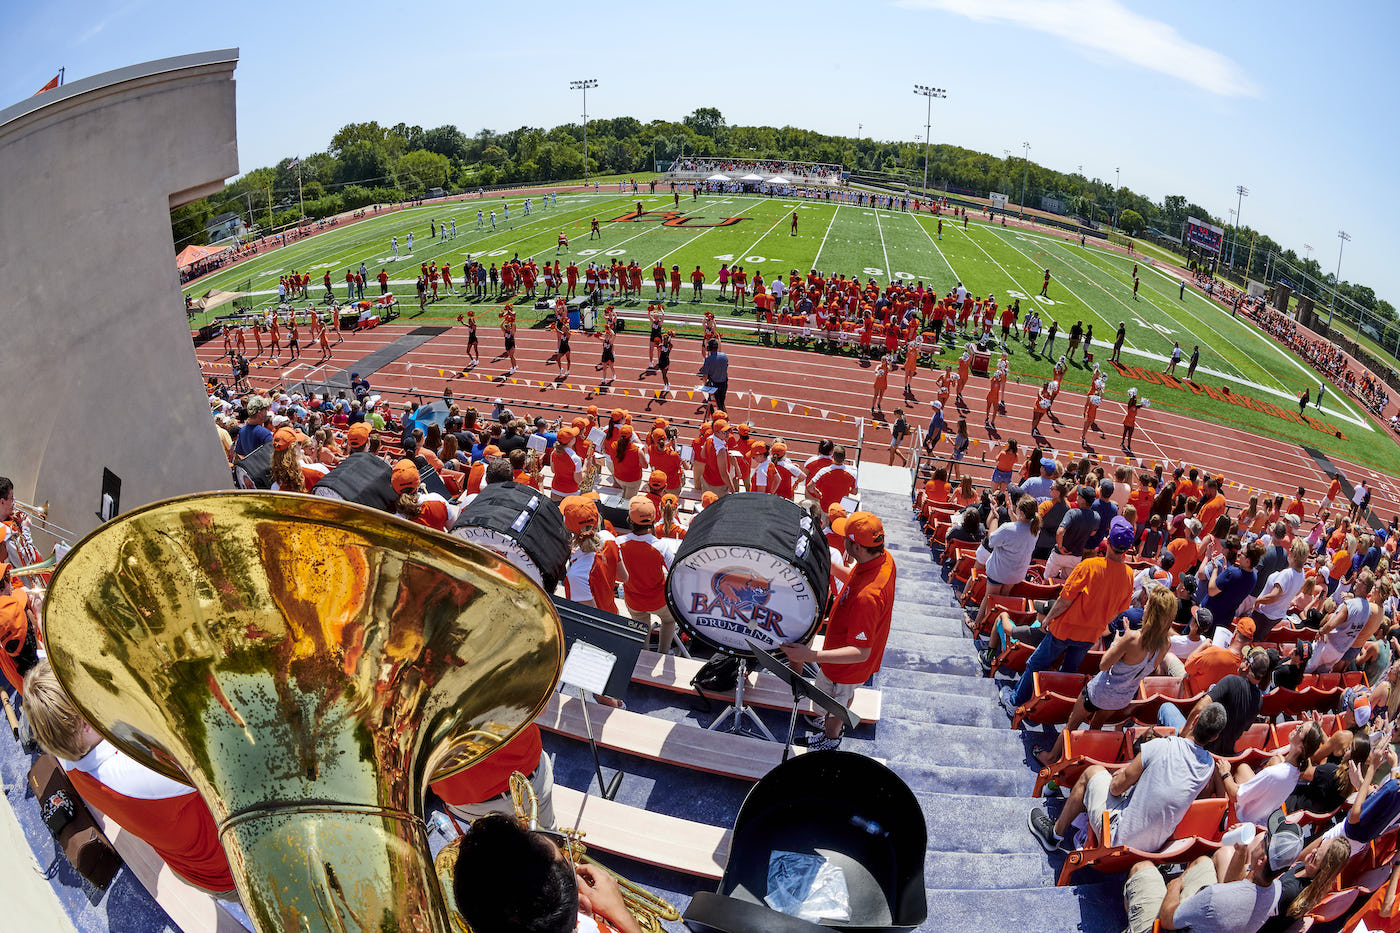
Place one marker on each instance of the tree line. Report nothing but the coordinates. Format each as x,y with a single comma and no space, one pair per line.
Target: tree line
366,163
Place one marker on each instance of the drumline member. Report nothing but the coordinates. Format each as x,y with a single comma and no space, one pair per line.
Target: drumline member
628,461
647,560
566,465
595,564
290,472
832,483
664,457
425,508
859,626
777,474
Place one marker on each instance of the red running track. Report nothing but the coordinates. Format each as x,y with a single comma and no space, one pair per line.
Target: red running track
829,397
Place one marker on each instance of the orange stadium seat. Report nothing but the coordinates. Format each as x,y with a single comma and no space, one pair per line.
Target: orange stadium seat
1197,834
1053,698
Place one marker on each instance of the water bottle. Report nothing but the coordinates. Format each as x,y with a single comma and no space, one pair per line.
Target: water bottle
870,826
440,828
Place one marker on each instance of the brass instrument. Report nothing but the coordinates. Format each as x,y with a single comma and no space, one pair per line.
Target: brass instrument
589,481
645,907
309,665
33,570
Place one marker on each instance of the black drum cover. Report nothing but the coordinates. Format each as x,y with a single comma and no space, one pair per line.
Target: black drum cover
753,567
255,470
362,478
521,524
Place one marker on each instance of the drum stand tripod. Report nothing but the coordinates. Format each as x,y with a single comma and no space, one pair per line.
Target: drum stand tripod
739,709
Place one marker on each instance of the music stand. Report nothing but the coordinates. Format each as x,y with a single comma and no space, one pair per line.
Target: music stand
739,709
801,688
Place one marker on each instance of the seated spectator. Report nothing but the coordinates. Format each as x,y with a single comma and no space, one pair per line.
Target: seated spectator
1220,657
1374,811
1329,785
1164,778
1257,795
1347,628
1182,647
1233,893
508,878
1276,593
169,816
1238,694
1310,879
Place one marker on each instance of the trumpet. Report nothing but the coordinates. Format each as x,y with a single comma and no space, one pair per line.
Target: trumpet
33,570
645,907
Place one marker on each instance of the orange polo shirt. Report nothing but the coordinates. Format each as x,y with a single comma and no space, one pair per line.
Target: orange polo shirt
862,617
1210,511
1209,666
1098,591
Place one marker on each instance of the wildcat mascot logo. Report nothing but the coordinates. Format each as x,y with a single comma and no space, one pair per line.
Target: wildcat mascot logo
738,600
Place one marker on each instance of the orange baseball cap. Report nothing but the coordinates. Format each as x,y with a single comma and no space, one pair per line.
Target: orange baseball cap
864,529
358,435
779,449
641,511
491,450
661,423
593,410
708,499
579,513
566,435
618,414
657,478
405,478
286,437
1245,626
658,435
670,499
625,431
722,415
836,510
743,430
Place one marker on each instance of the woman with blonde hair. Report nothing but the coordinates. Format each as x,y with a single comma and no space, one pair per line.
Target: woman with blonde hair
1307,883
1132,656
287,468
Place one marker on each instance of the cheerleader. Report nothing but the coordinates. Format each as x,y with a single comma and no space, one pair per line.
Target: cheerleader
562,359
1041,407
711,332
994,391
257,338
945,387
321,335
663,359
610,318
607,365
882,380
1091,411
657,315
276,337
964,363
293,337
473,347
508,333
1130,420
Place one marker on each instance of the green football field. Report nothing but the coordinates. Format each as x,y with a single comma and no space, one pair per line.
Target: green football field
1089,284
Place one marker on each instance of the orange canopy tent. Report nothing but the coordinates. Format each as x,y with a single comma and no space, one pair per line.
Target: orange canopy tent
193,253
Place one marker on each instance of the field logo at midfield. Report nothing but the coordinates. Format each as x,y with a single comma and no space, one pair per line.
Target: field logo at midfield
672,219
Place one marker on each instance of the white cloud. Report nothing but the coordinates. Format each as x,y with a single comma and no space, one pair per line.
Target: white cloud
1107,26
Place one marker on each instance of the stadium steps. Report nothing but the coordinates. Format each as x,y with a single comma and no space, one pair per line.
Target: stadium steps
944,733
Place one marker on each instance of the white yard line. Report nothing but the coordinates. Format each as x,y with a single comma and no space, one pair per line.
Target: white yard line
889,273
816,264
939,249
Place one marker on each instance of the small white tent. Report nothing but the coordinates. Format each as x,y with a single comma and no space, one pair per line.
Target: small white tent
718,178
778,180
752,177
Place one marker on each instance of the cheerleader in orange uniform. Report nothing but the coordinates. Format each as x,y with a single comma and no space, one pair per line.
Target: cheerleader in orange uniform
1041,407
964,363
994,395
882,381
1091,411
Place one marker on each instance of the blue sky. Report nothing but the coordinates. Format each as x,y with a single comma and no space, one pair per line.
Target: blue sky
1294,101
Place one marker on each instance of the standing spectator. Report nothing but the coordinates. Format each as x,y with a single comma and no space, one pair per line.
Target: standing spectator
860,624
715,369
646,560
1097,592
1072,538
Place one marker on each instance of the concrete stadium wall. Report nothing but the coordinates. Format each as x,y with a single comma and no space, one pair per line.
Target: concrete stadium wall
96,364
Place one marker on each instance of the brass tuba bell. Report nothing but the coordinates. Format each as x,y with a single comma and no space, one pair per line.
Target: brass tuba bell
309,665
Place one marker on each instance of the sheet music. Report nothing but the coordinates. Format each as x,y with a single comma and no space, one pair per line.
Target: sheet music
587,667
597,437
537,442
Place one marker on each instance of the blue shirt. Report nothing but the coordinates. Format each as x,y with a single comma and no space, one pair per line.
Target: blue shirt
1234,584
716,368
250,438
1107,512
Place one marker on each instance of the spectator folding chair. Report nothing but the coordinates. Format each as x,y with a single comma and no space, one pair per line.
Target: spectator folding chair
1197,834
1054,696
1084,748
1154,692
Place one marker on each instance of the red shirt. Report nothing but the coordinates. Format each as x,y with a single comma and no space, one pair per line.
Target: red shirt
169,816
647,559
862,617
491,777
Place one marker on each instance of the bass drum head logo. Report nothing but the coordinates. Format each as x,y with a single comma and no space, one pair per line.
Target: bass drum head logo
728,596
503,545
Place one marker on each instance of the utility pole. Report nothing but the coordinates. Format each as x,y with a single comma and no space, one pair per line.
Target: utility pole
584,85
1114,221
1025,172
930,93
1337,282
1243,192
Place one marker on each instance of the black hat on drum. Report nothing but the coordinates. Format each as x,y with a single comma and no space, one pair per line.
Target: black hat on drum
521,524
844,808
361,478
753,567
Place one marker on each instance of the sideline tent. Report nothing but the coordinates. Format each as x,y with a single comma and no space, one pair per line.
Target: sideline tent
752,177
778,180
194,253
215,298
718,178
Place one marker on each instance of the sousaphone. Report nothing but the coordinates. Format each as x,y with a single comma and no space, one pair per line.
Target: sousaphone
309,665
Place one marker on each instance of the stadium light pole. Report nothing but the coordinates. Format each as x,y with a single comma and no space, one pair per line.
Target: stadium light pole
584,85
1242,193
1025,173
930,93
1344,237
1113,222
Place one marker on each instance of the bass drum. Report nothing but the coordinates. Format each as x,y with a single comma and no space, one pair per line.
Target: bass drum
362,478
753,567
521,524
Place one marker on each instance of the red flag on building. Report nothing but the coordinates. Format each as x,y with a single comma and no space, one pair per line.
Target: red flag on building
55,82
